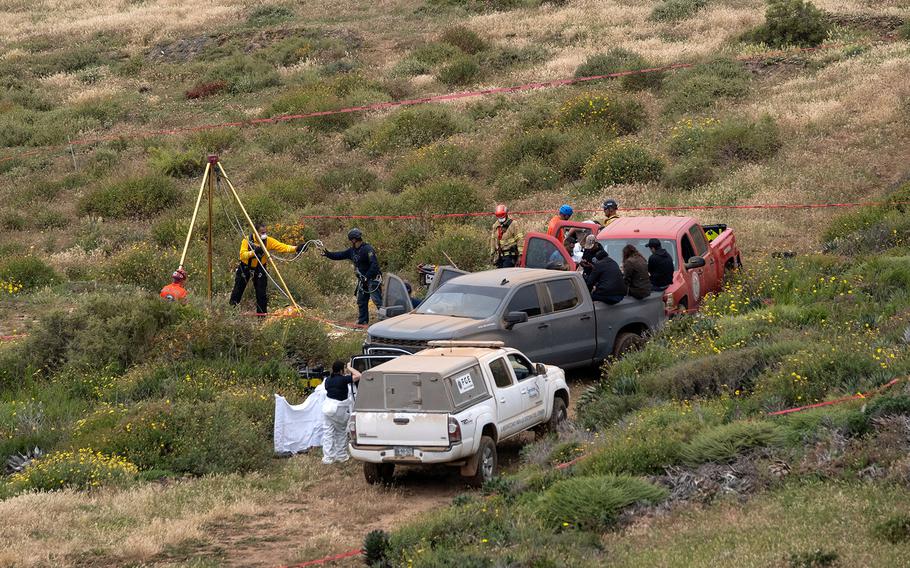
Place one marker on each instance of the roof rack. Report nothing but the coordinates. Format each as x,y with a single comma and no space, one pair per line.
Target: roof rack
468,343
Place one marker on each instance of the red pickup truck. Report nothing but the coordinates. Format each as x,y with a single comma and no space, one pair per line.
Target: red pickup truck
701,254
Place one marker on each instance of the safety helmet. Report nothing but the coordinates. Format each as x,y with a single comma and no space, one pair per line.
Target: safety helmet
502,211
566,210
179,275
611,204
355,235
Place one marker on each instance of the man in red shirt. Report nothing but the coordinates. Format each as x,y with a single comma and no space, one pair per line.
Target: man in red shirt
175,292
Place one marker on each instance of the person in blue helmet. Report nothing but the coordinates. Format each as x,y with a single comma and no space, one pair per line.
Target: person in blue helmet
563,214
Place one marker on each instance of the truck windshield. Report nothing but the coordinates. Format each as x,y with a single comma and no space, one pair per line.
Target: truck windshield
614,248
459,300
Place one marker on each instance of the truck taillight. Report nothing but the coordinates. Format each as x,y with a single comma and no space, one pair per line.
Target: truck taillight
454,431
670,304
352,428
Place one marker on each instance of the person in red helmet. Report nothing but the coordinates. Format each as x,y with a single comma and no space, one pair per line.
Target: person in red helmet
175,292
506,239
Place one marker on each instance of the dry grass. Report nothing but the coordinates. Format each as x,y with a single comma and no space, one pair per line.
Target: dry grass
138,19
300,511
766,530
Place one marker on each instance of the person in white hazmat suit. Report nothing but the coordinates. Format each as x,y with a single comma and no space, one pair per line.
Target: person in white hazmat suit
336,411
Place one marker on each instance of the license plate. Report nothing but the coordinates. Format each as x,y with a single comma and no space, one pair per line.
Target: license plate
403,452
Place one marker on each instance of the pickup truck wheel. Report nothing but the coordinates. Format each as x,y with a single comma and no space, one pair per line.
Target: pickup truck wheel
559,415
486,463
378,473
626,342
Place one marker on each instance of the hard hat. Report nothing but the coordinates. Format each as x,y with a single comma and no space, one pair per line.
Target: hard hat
355,235
179,275
502,211
611,204
566,210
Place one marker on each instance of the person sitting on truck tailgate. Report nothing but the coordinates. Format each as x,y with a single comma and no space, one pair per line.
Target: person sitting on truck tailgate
589,249
610,211
366,267
605,280
635,273
336,410
660,266
564,213
506,240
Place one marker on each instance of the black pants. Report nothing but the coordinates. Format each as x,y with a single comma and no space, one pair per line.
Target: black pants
260,284
506,261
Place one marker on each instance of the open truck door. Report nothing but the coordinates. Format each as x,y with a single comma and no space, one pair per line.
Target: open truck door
543,251
395,297
443,275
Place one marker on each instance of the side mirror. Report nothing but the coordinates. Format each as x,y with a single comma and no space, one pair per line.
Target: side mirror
391,311
540,368
513,318
695,262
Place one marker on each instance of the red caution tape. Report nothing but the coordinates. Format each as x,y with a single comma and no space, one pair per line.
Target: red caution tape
837,401
407,102
644,208
12,337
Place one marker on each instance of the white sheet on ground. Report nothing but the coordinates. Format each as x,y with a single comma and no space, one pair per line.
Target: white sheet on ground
299,427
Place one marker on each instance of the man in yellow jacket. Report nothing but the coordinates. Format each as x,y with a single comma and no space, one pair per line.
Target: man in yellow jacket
506,240
252,265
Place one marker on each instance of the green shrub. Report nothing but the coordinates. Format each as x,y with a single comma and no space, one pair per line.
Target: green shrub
300,142
103,331
675,10
176,163
50,219
711,375
726,442
699,87
313,98
243,74
83,469
290,191
817,558
28,271
618,59
463,244
742,140
143,266
644,454
792,22
302,341
690,173
263,208
442,196
464,39
602,111
432,162
621,162
539,144
347,178
594,502
889,406
895,529
463,70
413,127
903,31
13,221
269,15
132,197
528,177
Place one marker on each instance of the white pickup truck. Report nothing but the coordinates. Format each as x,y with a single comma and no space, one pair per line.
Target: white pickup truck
451,404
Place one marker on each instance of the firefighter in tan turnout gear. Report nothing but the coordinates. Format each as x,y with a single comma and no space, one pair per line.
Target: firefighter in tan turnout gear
506,240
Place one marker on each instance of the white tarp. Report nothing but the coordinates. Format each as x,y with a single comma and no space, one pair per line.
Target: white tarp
299,427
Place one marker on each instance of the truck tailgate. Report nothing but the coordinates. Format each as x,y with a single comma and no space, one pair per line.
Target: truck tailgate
402,428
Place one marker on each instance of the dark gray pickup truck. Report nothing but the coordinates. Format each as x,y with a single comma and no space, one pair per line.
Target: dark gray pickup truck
547,314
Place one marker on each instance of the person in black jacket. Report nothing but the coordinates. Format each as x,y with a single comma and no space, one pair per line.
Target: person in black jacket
369,275
660,266
605,280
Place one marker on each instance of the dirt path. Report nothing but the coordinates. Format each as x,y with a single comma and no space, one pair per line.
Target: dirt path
335,512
